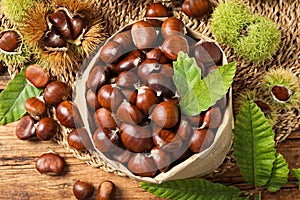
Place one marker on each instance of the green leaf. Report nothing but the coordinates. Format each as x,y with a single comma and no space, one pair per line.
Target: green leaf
12,99
257,196
279,175
253,144
296,173
200,94
190,189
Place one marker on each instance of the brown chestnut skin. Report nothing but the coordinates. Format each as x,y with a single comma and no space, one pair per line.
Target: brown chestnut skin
166,139
281,93
60,21
212,118
163,85
110,97
130,95
106,190
136,138
173,45
121,155
82,190
9,41
110,52
129,114
167,70
34,106
172,26
157,10
265,108
124,38
47,128
142,164
222,103
197,120
196,8
53,40
56,92
157,54
50,164
104,119
165,114
127,79
37,76
68,115
143,35
77,24
92,100
208,53
79,139
184,130
145,99
106,140
161,158
25,128
129,61
97,77
148,67
201,140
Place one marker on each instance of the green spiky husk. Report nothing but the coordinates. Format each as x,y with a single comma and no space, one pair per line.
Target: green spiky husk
282,77
261,41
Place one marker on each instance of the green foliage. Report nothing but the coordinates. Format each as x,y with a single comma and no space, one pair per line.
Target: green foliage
199,189
279,175
15,10
296,173
254,144
12,99
199,94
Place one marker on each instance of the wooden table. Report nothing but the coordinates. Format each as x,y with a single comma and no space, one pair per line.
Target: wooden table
20,181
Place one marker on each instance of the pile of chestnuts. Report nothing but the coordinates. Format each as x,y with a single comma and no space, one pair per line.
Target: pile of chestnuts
134,113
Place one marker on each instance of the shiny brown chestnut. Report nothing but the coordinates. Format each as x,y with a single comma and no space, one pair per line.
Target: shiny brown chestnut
52,40
281,93
165,114
148,67
106,140
130,95
212,118
196,8
106,190
161,158
110,52
136,138
82,190
208,53
145,99
163,85
201,140
46,128
157,54
68,115
78,24
121,155
124,38
143,35
127,79
167,70
79,139
56,92
104,119
91,99
184,130
171,26
265,108
34,106
129,61
197,120
50,164
157,10
142,164
9,41
110,97
173,44
37,76
166,140
129,114
25,128
97,77
60,21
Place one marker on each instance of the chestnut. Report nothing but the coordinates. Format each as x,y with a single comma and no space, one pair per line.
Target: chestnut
68,115
25,128
106,190
92,100
143,35
173,45
34,106
197,120
50,164
60,21
265,108
52,39
145,99
136,138
212,118
9,40
172,26
208,53
167,70
97,77
201,140
157,54
121,155
146,68
129,114
110,52
106,140
281,93
184,130
161,158
130,95
46,128
124,38
56,92
163,85
222,103
166,140
110,97
127,79
78,24
165,114
82,190
142,164
37,76
129,61
104,119
196,8
79,139
157,10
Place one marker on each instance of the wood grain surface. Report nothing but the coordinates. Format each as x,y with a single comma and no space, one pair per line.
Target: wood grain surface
19,179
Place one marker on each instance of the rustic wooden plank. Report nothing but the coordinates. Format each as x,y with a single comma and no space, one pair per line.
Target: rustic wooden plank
4,79
19,179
